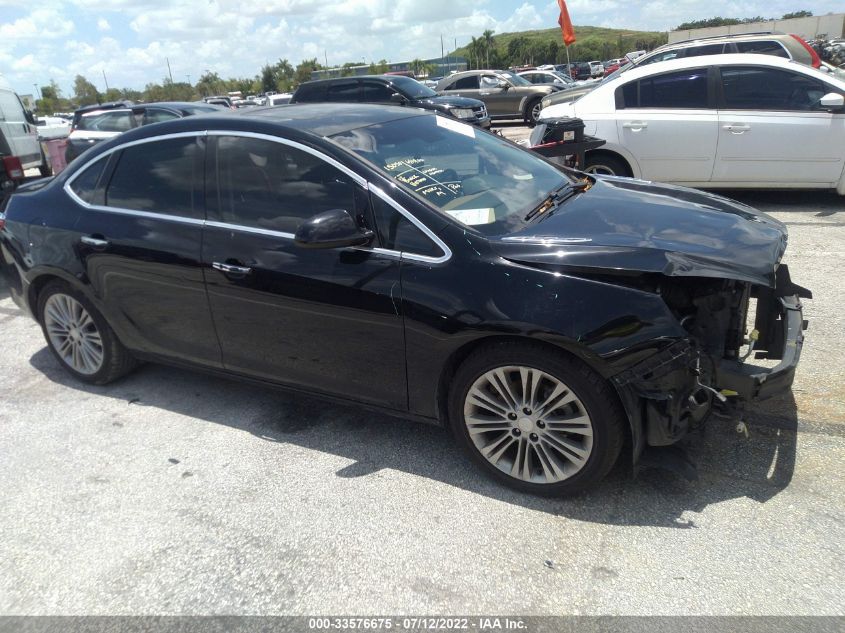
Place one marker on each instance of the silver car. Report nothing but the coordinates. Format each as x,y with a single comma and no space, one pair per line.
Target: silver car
506,94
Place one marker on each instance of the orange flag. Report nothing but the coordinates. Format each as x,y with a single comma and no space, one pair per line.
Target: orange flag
565,24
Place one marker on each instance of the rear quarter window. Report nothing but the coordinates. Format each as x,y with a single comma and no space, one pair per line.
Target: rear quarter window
87,184
764,47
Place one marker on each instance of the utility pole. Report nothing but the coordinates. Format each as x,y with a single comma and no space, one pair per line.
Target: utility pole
37,91
105,80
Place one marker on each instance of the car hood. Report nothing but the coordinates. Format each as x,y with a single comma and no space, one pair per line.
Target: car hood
622,225
455,102
568,95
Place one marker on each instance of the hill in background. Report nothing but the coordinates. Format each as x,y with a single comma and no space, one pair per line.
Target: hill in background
545,46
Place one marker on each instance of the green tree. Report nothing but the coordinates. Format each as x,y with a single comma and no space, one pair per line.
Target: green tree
84,92
210,84
421,68
797,14
268,78
487,38
304,69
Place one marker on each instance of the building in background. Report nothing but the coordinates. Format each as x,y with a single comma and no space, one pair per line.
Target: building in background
828,26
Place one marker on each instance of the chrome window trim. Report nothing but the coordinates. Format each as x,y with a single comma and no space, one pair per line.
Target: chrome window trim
248,229
447,252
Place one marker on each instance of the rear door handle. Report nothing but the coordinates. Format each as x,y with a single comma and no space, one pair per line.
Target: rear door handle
231,269
736,128
635,125
97,243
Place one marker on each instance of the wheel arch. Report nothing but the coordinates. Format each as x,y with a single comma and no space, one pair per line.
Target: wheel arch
38,281
620,154
458,356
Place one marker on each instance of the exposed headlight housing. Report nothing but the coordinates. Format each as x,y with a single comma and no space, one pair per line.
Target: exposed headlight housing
462,113
546,102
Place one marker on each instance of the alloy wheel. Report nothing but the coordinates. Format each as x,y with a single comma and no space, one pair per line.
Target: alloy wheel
535,112
602,170
528,424
73,334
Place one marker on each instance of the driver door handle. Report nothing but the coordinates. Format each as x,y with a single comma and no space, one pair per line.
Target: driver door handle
97,243
736,128
231,269
635,125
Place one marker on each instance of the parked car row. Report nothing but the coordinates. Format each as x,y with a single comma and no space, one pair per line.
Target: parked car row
392,89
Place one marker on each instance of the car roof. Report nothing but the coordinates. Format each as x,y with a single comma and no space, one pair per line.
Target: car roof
327,119
731,59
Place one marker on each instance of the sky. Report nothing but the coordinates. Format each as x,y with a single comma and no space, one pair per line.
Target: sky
131,40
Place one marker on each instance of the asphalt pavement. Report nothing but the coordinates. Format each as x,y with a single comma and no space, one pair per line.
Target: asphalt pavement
172,492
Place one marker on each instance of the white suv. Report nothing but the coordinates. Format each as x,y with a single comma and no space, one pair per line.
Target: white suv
718,121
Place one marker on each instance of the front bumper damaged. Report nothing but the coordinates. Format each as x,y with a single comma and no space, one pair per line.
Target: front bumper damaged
674,390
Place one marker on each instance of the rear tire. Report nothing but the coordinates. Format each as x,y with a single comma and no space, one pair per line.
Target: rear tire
79,337
605,165
536,420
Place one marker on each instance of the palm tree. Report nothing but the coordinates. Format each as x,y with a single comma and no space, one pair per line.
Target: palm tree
487,37
474,50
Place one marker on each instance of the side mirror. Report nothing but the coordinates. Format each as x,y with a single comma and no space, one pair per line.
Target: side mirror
504,85
30,117
398,99
334,228
832,101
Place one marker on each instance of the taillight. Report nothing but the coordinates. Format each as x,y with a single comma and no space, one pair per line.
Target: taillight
12,166
2,221
817,62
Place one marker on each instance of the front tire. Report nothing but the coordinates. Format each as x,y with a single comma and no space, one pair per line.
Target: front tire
538,421
532,112
605,165
79,337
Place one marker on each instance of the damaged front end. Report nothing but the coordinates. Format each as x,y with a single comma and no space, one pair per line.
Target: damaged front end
674,391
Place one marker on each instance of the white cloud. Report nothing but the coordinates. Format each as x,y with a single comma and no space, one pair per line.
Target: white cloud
103,25
39,24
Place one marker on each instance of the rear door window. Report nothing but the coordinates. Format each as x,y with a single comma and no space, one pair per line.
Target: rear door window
465,83
161,177
111,121
375,92
157,115
342,92
759,88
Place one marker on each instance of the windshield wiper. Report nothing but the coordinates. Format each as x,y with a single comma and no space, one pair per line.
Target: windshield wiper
558,196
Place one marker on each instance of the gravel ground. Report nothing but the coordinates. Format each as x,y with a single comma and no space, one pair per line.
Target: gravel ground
174,492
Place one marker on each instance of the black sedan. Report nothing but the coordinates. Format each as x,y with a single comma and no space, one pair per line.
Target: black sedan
415,264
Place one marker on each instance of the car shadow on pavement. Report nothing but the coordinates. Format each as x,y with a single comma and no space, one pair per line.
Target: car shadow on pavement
820,204
730,466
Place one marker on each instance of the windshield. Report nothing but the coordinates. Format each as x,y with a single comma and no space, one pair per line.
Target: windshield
562,77
515,79
477,178
412,88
